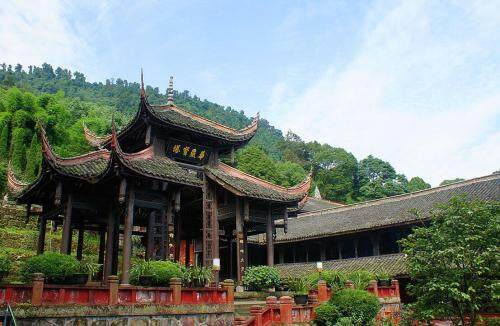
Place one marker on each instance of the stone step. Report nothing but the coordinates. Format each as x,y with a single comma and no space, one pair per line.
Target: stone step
242,307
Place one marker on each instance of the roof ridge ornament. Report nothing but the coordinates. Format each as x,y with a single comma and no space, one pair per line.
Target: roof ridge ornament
170,91
143,91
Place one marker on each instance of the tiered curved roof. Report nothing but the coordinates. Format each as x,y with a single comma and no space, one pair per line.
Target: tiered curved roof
173,116
244,184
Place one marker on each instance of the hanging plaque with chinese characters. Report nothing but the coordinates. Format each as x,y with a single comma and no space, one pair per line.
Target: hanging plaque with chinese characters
187,152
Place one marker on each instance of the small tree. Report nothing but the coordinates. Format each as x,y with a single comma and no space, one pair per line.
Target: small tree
455,261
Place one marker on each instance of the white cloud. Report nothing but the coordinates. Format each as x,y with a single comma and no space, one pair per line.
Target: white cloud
34,32
408,95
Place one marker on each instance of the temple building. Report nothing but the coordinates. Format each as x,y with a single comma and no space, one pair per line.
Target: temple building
161,178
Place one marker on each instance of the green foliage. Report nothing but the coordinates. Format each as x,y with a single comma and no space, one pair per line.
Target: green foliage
416,184
383,276
327,314
361,279
55,266
455,261
196,276
379,179
161,271
358,305
261,277
5,264
90,268
450,181
334,279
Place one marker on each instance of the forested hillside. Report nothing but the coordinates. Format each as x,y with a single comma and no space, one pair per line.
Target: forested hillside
62,101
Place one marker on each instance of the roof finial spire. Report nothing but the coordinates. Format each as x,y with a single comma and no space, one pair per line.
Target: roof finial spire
170,90
143,92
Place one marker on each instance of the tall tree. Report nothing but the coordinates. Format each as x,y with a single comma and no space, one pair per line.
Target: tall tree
450,181
454,263
417,183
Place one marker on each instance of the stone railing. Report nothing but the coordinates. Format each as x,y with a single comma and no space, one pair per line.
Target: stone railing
113,294
285,312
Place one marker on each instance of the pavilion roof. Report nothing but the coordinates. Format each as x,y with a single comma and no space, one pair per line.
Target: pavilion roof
393,264
243,184
94,166
385,212
171,115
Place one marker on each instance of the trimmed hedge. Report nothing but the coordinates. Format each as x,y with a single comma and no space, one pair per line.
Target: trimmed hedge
56,267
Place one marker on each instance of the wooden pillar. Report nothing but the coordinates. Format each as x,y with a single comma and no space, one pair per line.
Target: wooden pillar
110,250
150,235
102,246
269,238
178,228
41,235
81,233
169,242
127,237
339,242
375,240
322,251
215,229
281,254
66,235
240,244
356,248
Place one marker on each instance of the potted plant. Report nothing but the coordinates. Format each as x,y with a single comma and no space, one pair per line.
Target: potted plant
142,273
196,276
154,272
300,287
87,271
383,279
5,266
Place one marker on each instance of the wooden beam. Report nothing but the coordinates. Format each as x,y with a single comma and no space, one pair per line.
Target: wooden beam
127,237
66,236
246,210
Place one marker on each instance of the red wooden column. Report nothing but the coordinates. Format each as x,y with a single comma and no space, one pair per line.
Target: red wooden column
269,237
66,236
127,237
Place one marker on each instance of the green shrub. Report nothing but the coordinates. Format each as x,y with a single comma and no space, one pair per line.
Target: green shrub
361,279
55,266
334,279
161,271
261,277
196,276
5,264
360,306
326,314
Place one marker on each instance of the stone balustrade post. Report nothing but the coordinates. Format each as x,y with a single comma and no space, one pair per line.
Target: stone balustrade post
349,285
286,304
373,287
37,291
272,301
395,286
176,285
312,299
228,286
113,290
322,291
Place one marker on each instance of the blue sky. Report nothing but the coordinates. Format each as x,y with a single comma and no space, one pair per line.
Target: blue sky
416,83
